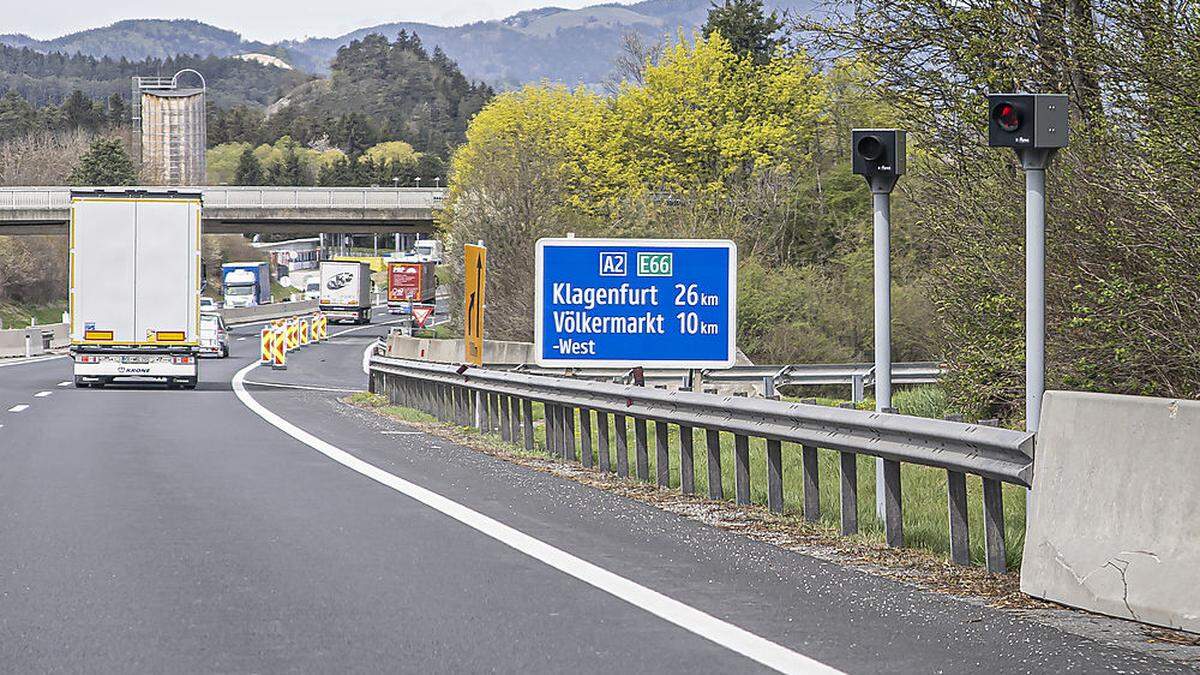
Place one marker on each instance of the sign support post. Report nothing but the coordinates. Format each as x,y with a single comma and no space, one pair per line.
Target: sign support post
475,266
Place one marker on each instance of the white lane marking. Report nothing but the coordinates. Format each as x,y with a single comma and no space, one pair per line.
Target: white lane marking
18,408
65,384
760,649
308,387
402,433
36,359
240,339
42,394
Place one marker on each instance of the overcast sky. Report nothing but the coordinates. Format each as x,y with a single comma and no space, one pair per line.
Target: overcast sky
265,20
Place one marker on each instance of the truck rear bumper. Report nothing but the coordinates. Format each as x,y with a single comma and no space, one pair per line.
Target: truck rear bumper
345,313
106,366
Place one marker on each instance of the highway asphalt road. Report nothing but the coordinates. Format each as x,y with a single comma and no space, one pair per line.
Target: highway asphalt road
147,530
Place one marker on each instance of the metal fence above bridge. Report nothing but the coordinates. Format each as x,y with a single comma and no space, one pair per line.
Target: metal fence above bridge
57,198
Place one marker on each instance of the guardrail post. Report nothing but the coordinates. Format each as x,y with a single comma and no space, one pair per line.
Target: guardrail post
849,492
774,475
459,409
568,433
741,468
641,449
505,420
687,468
527,409
514,419
622,445
440,406
662,453
812,484
769,387
485,404
602,441
993,519
856,389
585,437
956,500
550,419
713,441
893,516
494,412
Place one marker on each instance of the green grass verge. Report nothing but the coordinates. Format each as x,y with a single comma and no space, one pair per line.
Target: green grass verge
17,316
923,494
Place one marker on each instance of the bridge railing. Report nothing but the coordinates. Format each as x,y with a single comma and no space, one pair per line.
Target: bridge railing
503,401
58,198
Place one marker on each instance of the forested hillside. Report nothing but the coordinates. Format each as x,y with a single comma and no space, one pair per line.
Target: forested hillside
141,39
390,113
43,79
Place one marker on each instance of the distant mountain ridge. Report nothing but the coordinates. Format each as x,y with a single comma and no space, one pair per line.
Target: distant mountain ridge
550,43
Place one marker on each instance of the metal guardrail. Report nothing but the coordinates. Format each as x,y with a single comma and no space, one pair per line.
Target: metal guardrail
57,198
503,400
857,375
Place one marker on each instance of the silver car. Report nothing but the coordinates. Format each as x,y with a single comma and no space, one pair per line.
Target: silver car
214,337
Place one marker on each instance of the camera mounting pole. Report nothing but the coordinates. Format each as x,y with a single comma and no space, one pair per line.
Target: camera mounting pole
1035,126
878,155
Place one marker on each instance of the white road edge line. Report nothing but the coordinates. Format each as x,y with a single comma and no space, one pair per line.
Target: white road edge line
762,650
18,408
42,394
37,359
307,387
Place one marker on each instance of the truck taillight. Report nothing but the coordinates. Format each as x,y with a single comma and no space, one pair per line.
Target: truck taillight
84,358
182,360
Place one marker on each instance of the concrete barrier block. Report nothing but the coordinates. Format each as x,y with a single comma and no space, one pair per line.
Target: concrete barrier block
1115,520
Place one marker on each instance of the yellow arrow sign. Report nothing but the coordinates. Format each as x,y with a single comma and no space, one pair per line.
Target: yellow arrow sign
476,280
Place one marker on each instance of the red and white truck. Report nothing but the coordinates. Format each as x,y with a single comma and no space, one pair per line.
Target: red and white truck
409,283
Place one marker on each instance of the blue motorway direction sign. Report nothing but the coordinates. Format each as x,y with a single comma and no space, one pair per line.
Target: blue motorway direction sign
635,302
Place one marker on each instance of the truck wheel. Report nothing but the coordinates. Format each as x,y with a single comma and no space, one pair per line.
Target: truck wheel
190,383
225,352
80,384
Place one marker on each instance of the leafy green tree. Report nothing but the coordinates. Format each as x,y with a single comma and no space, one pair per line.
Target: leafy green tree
747,28
249,170
104,163
288,170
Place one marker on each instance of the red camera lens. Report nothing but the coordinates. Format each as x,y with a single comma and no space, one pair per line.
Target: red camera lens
1006,116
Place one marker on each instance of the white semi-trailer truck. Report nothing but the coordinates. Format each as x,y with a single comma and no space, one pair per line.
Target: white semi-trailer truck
346,290
135,286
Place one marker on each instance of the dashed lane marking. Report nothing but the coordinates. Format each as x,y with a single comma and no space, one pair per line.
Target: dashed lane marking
65,384
18,408
42,394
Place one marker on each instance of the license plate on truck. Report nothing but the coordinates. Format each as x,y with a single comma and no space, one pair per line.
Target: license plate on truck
143,358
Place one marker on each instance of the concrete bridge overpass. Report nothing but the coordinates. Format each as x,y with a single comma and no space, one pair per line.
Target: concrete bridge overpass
233,210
